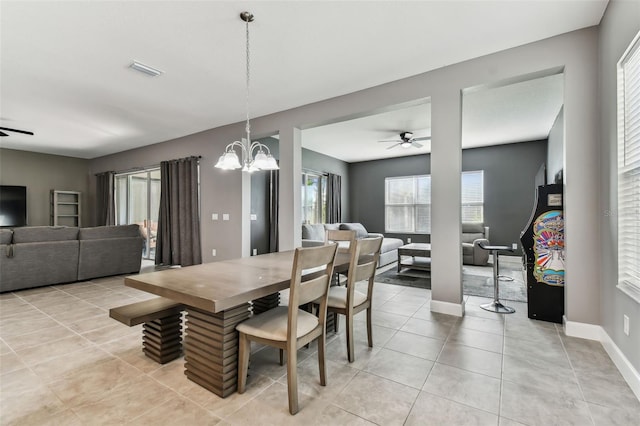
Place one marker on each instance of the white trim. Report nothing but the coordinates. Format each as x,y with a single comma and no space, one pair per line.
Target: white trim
447,308
596,332
581,330
625,367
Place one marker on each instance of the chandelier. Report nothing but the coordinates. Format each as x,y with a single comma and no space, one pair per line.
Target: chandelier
230,160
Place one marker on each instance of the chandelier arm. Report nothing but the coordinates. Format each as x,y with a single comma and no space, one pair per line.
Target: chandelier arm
256,144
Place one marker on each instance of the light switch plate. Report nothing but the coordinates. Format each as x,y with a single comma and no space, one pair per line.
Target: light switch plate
214,216
225,216
254,217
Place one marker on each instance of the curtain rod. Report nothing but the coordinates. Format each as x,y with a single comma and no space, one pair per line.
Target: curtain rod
315,171
155,166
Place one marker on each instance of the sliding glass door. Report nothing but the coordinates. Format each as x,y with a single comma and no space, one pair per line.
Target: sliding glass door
138,202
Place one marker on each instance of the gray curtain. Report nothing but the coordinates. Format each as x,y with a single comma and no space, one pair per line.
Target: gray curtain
274,190
105,199
178,240
334,198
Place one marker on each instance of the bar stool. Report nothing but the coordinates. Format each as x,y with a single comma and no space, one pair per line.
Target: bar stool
496,306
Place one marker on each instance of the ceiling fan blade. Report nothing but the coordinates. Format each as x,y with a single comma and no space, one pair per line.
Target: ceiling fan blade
3,134
15,130
416,144
391,140
393,146
423,138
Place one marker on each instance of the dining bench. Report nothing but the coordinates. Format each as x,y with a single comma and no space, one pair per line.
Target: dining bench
161,334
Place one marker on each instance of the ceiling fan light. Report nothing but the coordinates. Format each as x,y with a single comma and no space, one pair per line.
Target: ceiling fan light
405,144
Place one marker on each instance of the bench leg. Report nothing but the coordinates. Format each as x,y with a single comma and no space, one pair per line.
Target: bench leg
161,338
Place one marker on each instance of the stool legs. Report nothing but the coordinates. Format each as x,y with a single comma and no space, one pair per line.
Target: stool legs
496,306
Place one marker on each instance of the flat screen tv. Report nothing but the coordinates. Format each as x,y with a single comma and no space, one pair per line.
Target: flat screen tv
13,205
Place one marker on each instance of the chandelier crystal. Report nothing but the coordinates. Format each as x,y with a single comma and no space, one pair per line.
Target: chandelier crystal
230,160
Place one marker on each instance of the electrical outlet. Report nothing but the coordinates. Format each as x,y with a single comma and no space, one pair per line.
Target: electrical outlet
408,240
255,252
514,246
254,217
213,252
214,216
625,324
225,216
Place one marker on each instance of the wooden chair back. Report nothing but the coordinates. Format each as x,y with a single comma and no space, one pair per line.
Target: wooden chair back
363,264
313,289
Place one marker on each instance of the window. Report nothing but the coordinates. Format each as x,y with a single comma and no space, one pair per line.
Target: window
629,171
138,202
314,197
473,197
408,202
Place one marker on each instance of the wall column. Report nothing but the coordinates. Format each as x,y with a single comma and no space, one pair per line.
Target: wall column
446,227
290,214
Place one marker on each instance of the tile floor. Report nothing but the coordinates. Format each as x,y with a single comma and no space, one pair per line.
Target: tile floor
64,361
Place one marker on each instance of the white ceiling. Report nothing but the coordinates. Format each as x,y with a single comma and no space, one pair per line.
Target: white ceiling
64,65
518,112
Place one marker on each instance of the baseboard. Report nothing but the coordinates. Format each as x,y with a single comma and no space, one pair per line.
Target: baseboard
581,330
625,367
596,332
448,308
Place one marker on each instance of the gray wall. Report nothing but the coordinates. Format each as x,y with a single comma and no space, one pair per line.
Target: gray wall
367,189
312,160
555,155
509,172
260,203
259,191
618,28
575,53
41,173
509,189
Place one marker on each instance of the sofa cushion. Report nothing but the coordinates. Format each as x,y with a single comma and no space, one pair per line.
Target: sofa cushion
332,226
313,231
361,231
103,232
5,236
39,234
389,244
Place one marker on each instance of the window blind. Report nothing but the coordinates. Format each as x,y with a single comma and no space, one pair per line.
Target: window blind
629,170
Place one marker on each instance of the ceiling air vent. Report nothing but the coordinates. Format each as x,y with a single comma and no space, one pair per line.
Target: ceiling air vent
146,69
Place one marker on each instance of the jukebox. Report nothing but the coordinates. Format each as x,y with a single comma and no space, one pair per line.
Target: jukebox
543,244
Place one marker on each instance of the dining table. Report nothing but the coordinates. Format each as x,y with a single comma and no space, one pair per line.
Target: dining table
218,296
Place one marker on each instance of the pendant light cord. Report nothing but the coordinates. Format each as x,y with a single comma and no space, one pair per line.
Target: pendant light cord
248,125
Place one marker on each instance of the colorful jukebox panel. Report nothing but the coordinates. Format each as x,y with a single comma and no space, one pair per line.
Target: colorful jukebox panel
548,238
543,244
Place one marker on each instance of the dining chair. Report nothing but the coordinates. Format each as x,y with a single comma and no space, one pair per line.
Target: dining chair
290,328
347,300
346,240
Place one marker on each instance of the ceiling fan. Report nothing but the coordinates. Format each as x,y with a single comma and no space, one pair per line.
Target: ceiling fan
2,133
407,140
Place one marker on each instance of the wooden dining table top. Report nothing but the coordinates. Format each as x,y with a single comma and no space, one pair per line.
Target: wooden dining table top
217,286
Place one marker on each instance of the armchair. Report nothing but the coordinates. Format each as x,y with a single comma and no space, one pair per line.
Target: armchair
472,235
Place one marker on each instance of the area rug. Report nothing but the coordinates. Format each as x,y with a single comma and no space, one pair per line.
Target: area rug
476,281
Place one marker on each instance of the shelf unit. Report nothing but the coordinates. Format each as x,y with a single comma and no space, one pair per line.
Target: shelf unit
66,208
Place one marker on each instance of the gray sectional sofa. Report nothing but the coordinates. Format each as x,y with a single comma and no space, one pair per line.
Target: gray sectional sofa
313,235
43,255
472,235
